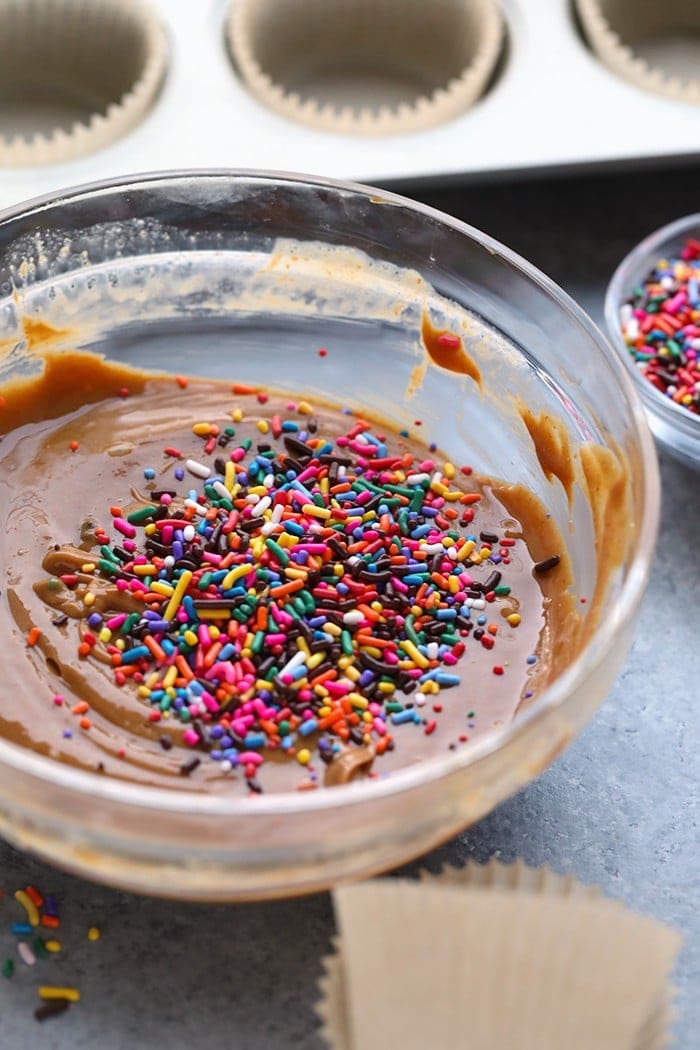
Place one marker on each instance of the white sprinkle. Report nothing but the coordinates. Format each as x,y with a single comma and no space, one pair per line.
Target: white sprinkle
200,470
419,700
432,650
632,328
26,953
353,617
277,512
417,479
262,506
626,313
188,533
478,603
452,552
269,480
341,471
437,477
168,561
297,660
268,528
221,490
432,548
196,507
225,765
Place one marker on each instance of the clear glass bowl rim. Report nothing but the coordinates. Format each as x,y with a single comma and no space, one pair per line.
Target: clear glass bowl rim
52,773
643,256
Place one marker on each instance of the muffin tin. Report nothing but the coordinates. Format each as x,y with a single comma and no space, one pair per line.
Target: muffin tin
550,104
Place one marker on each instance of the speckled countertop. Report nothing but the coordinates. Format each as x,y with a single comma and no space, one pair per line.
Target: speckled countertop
619,808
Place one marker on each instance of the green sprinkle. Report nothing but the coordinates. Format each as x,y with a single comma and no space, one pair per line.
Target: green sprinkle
279,552
142,514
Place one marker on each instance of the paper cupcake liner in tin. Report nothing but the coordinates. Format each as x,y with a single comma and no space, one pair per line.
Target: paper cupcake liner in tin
617,31
494,956
367,67
75,75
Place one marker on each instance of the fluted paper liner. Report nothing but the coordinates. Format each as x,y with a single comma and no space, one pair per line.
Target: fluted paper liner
611,27
445,52
110,51
494,957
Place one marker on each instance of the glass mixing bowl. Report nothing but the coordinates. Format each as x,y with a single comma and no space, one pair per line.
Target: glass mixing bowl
245,275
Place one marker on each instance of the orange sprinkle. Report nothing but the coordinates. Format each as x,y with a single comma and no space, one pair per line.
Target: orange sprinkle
243,388
74,446
286,588
52,921
84,649
85,723
154,648
33,636
181,381
80,708
34,896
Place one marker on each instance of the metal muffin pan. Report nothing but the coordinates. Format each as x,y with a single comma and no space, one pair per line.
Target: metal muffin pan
552,105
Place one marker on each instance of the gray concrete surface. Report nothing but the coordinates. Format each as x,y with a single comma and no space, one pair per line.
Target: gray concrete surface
619,808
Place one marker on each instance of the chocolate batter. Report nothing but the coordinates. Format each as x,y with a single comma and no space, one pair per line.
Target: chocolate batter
77,441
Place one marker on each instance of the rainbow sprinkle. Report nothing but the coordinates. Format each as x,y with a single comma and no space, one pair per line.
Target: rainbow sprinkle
306,595
660,324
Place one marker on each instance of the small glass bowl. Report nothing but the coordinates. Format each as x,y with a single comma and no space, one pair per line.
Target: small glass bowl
676,430
238,274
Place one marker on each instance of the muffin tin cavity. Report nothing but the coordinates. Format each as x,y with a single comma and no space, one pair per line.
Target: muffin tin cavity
366,66
655,46
75,75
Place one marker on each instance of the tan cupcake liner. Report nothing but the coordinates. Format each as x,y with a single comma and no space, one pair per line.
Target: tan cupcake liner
91,43
608,39
494,956
376,27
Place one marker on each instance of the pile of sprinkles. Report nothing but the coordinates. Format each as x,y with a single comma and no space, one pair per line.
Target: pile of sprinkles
660,324
305,596
34,925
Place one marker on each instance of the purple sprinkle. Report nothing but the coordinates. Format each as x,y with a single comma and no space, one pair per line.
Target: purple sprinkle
179,473
67,734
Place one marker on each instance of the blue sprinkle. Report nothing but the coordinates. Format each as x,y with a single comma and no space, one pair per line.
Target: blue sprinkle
399,718
253,740
308,727
149,473
532,659
22,929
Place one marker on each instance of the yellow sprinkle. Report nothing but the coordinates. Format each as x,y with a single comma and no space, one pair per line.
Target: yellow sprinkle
89,598
369,516
449,470
202,429
93,934
430,687
144,570
357,700
320,690
333,628
372,650
120,644
447,541
213,614
312,511
296,574
304,756
259,490
178,594
229,475
485,553
161,587
386,687
453,582
89,566
437,486
52,992
29,906
170,676
304,408
263,426
367,716
214,632
237,415
417,657
246,653
302,645
315,660
323,711
53,946
464,552
286,540
338,570
324,486
344,662
352,673
513,619
105,635
144,691
234,574
150,529
451,497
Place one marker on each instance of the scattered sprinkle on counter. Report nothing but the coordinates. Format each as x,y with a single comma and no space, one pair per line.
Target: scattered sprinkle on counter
660,324
26,916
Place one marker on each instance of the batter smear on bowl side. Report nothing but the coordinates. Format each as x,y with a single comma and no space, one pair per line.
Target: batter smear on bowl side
214,588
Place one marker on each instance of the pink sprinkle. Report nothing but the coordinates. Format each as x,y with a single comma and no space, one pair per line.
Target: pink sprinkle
58,699
124,527
116,621
129,546
190,737
250,758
